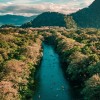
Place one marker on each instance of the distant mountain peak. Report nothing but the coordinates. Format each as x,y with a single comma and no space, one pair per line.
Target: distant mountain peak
14,19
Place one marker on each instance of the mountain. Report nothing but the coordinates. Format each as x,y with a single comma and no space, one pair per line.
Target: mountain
47,19
14,19
88,17
51,19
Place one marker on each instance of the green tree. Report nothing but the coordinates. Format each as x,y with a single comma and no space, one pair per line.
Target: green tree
70,23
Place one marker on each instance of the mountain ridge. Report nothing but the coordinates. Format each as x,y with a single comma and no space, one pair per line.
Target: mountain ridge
88,17
14,19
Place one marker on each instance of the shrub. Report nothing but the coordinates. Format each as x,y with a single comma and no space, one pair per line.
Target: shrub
94,69
92,88
7,91
86,50
93,59
77,68
1,59
22,57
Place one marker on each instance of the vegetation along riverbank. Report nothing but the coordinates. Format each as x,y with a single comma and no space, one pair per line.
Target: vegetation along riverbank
21,51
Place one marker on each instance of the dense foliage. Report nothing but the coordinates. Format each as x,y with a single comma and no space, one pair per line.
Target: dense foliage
8,26
20,52
79,50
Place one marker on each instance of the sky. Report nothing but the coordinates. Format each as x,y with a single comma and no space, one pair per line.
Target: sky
35,7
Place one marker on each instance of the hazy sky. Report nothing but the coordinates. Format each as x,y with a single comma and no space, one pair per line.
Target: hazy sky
34,7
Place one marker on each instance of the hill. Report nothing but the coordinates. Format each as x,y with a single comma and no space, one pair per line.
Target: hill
51,19
47,19
14,19
88,17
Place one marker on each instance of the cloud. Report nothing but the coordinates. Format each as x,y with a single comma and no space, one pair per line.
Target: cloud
29,8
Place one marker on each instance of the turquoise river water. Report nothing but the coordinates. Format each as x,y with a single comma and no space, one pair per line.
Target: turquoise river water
51,83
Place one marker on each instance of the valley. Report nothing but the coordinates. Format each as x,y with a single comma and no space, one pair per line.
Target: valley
47,52
20,60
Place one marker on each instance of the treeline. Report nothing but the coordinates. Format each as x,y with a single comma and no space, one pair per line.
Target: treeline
20,53
79,51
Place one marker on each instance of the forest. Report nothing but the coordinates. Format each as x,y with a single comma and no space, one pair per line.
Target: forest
21,52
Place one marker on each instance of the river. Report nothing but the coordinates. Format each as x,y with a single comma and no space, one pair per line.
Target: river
51,83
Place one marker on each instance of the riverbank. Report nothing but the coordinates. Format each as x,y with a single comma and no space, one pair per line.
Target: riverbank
21,51
75,87
79,52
